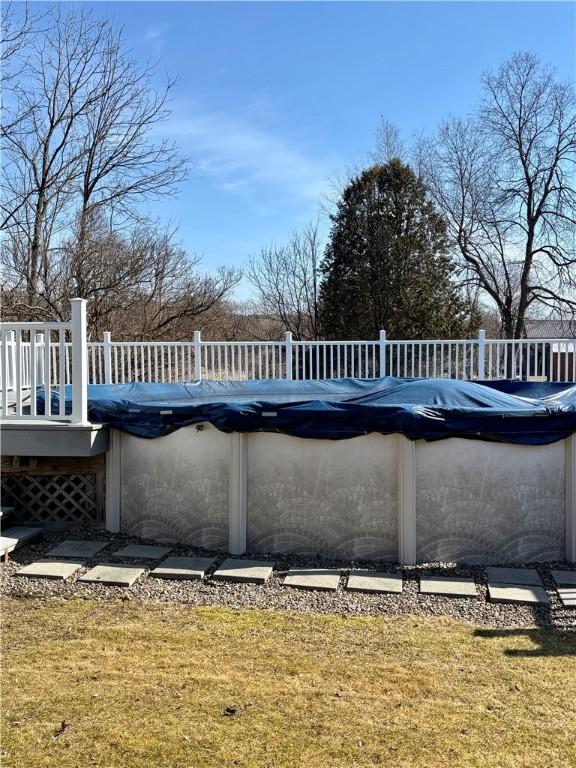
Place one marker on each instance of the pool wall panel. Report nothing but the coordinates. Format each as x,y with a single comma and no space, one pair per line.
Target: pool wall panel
335,499
175,488
482,502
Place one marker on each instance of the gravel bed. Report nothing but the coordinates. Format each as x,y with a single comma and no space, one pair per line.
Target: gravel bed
274,596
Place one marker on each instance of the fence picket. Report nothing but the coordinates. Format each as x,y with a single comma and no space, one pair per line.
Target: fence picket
37,354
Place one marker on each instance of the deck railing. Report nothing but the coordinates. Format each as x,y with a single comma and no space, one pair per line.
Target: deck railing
33,354
472,359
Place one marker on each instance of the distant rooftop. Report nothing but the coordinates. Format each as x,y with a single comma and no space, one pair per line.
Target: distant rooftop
550,328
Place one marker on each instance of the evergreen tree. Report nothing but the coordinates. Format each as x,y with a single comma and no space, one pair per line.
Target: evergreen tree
387,264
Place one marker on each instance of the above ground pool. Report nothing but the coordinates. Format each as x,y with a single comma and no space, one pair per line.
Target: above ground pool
432,470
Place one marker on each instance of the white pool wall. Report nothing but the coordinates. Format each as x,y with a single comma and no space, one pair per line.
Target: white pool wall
375,497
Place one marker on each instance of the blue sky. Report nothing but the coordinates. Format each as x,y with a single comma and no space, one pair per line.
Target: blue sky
274,99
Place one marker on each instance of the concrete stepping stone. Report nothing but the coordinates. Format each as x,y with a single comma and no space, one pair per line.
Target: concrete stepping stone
312,578
143,552
15,537
564,578
517,593
374,581
113,575
524,576
70,548
183,568
448,586
567,596
50,569
246,571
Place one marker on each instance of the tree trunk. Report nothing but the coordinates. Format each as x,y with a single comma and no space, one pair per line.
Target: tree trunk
35,255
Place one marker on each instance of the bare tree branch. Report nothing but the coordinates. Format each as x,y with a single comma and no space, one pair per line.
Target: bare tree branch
389,144
286,282
504,181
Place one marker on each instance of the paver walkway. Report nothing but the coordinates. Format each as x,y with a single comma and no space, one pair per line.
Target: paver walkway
448,586
72,548
566,587
50,569
523,576
142,552
517,593
183,568
374,581
247,571
567,596
516,585
564,578
312,578
505,585
113,575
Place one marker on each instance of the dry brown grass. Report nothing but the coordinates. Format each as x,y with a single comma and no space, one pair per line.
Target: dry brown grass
137,685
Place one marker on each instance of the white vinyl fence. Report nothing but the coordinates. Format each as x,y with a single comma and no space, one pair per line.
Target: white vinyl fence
472,359
35,353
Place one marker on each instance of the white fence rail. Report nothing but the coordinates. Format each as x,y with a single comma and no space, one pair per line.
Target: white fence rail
35,353
472,359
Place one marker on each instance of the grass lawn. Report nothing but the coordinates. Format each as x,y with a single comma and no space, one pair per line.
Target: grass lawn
117,684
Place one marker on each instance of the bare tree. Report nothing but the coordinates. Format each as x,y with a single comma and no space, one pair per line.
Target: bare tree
389,144
139,285
460,177
286,282
239,321
79,141
15,29
120,164
504,180
42,152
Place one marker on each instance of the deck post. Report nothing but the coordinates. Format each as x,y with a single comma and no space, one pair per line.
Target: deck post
288,343
79,362
406,501
570,480
113,481
481,354
382,347
107,352
238,493
197,355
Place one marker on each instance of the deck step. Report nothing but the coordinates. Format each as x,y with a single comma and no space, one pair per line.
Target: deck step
14,537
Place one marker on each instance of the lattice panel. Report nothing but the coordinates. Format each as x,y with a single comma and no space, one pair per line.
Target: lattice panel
61,499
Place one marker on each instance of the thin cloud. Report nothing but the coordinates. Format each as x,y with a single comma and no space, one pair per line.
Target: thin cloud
251,162
157,32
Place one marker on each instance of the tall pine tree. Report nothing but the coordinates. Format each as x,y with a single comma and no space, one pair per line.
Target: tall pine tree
387,265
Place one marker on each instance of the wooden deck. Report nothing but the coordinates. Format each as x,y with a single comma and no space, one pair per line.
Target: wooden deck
51,438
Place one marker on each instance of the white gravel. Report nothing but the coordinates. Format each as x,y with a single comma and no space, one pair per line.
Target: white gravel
274,596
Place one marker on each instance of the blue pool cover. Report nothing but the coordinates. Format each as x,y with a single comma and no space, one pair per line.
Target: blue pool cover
430,409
